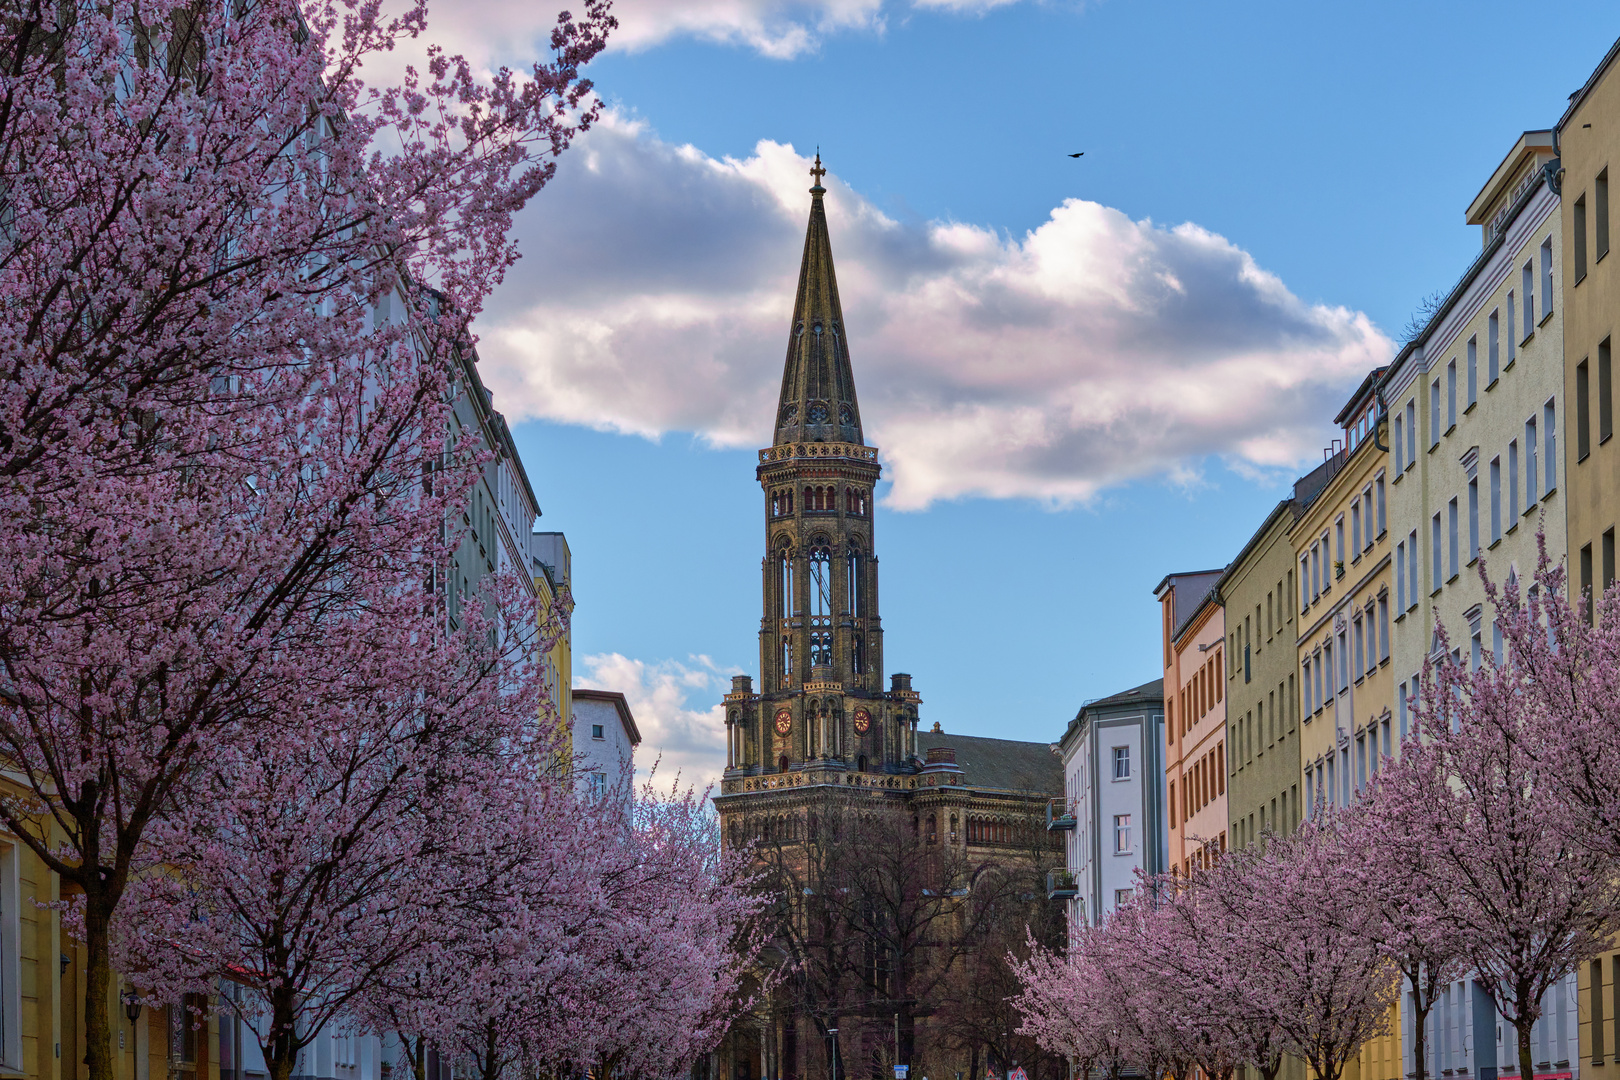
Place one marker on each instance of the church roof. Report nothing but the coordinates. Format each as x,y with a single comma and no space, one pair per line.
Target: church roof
1000,764
818,386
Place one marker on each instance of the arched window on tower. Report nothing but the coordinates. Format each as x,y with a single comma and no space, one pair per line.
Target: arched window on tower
852,581
857,654
820,585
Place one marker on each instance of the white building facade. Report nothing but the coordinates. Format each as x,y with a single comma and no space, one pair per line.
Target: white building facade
605,740
1113,804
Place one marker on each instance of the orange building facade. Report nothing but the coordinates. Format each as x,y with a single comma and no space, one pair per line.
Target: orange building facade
1194,631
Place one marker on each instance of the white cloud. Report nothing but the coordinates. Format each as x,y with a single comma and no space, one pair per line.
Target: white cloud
677,710
657,283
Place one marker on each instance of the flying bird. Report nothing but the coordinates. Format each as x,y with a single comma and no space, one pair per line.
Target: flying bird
1080,154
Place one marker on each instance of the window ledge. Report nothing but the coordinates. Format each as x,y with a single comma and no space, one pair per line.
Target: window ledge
1582,459
1526,339
1507,367
1473,561
1397,477
1545,318
1399,615
1549,493
1384,662
1529,509
1606,438
1434,446
1452,428
1493,543
1579,279
1471,406
1435,591
1453,577
1492,384
1595,261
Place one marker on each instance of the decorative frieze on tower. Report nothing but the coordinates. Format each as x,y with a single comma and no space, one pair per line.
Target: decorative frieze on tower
821,705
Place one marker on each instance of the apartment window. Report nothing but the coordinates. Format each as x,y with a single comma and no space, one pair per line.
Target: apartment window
1473,519
1398,443
1436,567
1496,499
1583,408
1496,642
1304,582
598,786
1512,338
1361,762
1361,647
1605,389
1121,897
1529,464
1400,709
1355,528
1122,763
1586,580
1451,394
1528,282
1412,569
1434,414
1608,560
1513,483
1549,439
1338,535
1378,504
596,731
1579,239
1600,216
1331,686
1473,371
1122,834
1411,433
1383,627
1310,706
1451,548
1493,349
1400,576
1327,571
1546,278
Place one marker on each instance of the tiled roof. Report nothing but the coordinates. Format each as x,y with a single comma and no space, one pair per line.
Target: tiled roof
1000,764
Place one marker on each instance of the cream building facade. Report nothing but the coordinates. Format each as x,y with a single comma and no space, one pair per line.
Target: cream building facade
1477,447
1342,555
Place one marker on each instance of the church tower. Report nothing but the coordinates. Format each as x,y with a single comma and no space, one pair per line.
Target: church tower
821,706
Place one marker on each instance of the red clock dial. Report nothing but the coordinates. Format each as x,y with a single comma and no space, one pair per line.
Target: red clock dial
784,722
863,721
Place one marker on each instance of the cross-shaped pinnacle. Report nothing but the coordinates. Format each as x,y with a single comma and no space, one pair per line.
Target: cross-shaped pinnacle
817,172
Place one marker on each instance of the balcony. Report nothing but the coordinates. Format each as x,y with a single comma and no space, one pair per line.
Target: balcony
1059,815
1061,885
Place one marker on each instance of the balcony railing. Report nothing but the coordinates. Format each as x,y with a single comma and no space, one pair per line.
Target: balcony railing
1061,885
1059,815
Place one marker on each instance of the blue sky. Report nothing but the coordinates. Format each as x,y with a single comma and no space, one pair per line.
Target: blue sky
1322,156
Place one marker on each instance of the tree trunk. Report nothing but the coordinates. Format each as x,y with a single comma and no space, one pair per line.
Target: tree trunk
97,982
1420,1035
281,1053
1527,1065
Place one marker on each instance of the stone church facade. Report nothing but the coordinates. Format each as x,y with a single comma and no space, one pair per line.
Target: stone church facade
823,733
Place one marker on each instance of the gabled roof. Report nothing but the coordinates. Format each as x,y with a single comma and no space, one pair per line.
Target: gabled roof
818,385
617,700
1000,764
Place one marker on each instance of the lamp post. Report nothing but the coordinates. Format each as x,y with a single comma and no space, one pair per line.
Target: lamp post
132,1005
834,1033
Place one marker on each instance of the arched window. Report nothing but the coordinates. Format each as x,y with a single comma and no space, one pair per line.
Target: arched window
820,583
857,654
821,649
784,583
787,659
932,830
782,763
852,581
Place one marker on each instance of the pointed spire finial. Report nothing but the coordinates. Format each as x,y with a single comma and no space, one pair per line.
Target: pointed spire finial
816,173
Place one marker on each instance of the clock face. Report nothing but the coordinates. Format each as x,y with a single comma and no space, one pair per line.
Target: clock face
863,721
784,722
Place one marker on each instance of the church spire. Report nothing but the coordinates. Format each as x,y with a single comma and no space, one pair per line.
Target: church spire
818,387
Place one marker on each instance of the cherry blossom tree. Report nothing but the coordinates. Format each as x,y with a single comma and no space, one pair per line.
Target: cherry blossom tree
1393,873
1312,963
1482,795
319,856
225,459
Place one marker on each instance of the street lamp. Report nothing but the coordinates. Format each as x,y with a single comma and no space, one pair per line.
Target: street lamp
132,1005
834,1033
